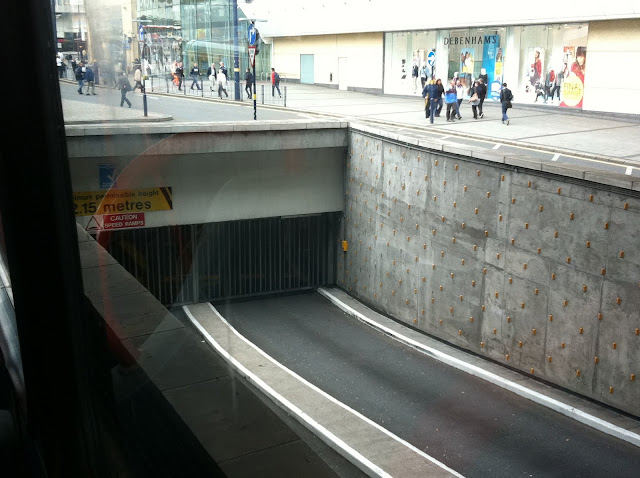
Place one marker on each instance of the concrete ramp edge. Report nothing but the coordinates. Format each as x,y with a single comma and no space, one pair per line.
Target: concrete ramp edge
397,451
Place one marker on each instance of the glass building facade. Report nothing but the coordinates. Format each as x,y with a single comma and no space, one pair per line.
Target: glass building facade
196,31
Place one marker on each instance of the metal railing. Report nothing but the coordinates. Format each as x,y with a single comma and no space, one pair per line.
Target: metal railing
167,84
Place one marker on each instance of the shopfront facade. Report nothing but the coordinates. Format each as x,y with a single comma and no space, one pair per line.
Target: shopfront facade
535,61
568,58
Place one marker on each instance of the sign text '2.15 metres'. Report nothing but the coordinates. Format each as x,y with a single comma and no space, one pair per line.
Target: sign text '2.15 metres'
115,201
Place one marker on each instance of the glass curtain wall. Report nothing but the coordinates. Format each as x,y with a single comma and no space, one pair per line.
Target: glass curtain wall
195,31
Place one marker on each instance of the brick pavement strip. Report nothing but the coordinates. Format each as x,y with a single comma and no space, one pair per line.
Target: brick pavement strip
371,449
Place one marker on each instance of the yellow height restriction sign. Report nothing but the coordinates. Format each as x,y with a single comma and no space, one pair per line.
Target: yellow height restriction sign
113,201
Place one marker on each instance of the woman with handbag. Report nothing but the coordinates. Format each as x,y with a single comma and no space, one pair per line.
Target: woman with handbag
474,100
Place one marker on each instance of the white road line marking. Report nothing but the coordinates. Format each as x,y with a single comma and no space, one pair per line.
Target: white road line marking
289,407
555,157
539,398
629,170
496,146
300,413
445,137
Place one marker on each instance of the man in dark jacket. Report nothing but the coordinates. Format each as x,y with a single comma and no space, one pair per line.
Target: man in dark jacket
481,91
248,77
431,90
195,76
506,97
80,77
180,75
124,86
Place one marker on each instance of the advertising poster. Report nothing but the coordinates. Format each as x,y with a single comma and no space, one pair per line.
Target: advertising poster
496,84
535,69
466,66
490,64
573,86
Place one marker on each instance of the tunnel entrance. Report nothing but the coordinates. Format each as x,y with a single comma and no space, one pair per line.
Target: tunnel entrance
228,260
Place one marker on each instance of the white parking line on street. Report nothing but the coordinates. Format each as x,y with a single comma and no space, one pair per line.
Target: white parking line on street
496,146
629,170
555,157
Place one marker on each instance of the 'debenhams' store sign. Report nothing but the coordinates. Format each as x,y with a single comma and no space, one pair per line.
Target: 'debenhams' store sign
475,40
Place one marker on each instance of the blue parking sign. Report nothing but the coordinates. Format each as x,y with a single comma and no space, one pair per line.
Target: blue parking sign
107,174
431,58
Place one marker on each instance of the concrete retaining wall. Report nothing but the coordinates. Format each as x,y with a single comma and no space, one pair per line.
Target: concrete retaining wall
540,272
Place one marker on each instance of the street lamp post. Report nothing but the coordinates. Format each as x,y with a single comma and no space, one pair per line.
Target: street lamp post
142,54
236,59
144,76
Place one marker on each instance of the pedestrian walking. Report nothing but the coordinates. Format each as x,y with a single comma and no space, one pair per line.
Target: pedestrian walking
275,82
430,91
212,74
124,86
222,83
474,100
248,77
80,77
506,97
440,93
459,97
195,76
485,79
481,91
137,77
59,64
90,78
74,65
180,75
451,98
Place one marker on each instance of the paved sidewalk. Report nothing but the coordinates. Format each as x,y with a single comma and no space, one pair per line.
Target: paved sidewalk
106,110
605,135
550,133
535,125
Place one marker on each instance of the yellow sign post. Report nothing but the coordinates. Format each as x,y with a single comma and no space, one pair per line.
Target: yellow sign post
115,201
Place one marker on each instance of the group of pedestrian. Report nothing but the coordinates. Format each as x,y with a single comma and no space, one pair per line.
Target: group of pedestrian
455,94
85,74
